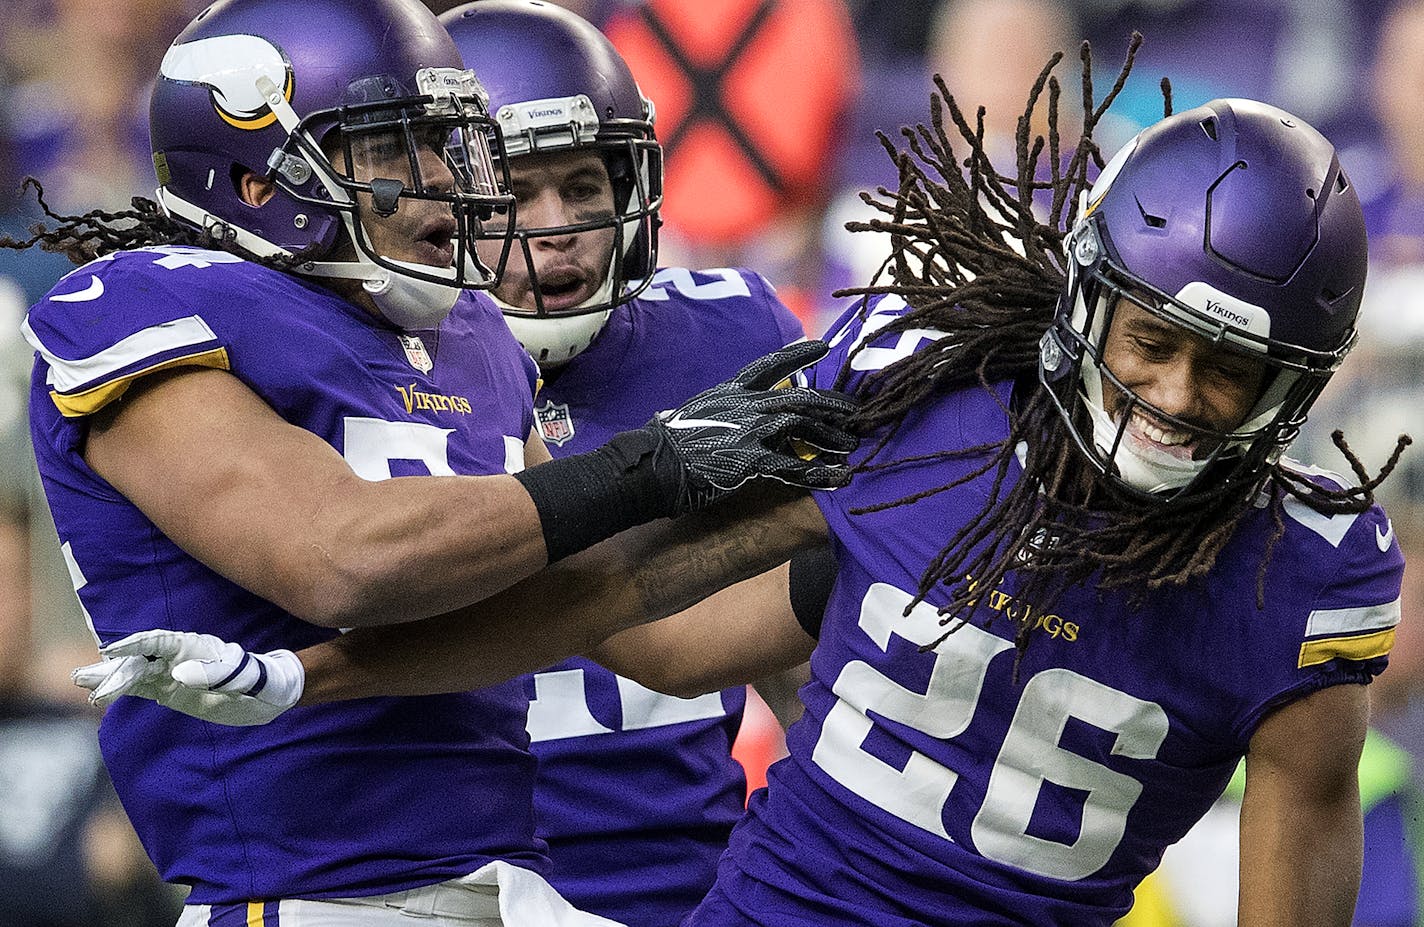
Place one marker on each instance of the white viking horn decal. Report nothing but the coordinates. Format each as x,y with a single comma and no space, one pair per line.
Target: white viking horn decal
229,66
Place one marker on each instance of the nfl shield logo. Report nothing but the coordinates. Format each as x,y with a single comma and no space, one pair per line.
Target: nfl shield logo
555,424
415,353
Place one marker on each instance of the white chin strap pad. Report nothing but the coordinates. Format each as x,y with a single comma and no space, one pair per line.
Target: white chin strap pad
1145,468
554,341
409,303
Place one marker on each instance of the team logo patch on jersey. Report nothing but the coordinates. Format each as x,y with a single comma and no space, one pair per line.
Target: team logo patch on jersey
556,426
416,354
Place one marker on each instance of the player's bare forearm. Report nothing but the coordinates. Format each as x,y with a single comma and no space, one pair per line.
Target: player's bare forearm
278,511
570,607
750,534
1301,829
744,633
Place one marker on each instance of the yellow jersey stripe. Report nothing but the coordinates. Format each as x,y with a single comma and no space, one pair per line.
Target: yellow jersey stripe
255,910
1339,621
88,402
1361,647
68,375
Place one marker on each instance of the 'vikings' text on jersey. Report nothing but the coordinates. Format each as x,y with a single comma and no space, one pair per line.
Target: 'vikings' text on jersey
930,786
307,799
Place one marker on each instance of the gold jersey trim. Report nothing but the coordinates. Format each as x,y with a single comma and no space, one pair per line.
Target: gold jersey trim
78,405
1358,647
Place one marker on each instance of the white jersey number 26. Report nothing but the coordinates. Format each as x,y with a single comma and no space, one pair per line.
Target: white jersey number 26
1031,753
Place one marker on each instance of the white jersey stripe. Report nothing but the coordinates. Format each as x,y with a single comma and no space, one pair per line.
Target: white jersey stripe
68,375
1336,621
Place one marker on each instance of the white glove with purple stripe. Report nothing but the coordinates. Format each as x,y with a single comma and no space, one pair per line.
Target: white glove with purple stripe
197,674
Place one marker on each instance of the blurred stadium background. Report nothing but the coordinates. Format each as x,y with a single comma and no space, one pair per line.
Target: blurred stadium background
768,110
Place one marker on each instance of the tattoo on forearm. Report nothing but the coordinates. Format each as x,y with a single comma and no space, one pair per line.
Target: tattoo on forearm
710,551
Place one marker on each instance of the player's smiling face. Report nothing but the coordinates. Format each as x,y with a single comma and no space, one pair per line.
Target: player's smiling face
554,189
1182,374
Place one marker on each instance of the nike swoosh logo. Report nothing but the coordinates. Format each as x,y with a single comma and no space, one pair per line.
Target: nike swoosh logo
699,423
90,293
1386,537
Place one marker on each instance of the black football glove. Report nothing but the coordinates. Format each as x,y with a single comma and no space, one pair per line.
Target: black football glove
753,425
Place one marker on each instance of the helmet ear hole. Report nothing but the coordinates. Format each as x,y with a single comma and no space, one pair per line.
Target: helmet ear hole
235,175
253,190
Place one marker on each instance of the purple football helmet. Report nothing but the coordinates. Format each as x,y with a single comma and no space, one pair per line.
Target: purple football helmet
1234,221
556,83
341,104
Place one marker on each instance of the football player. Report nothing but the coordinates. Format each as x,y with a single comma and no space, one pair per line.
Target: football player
218,402
636,791
1074,581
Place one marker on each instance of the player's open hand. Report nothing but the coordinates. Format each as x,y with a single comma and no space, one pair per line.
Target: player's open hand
756,425
197,674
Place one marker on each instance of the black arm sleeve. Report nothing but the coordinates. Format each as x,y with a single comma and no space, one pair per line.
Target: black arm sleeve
587,497
813,573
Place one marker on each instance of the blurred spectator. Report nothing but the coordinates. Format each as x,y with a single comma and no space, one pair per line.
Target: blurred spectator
751,97
24,276
73,73
1395,178
892,32
989,53
1381,390
77,115
68,857
1305,56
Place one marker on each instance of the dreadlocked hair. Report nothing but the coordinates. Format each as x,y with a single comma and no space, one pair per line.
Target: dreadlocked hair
99,232
973,260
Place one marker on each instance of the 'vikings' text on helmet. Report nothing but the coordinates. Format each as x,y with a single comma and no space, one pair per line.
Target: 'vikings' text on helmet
1234,221
555,84
342,104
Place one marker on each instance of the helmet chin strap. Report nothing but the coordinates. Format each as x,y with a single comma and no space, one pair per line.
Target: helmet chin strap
1144,468
410,303
405,301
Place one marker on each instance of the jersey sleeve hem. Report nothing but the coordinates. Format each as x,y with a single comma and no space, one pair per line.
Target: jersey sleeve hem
1350,633
1344,673
89,401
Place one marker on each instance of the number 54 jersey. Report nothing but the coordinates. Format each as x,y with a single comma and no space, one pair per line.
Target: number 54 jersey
928,785
353,798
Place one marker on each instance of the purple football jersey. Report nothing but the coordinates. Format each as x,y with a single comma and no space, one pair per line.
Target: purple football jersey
637,791
352,798
930,787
